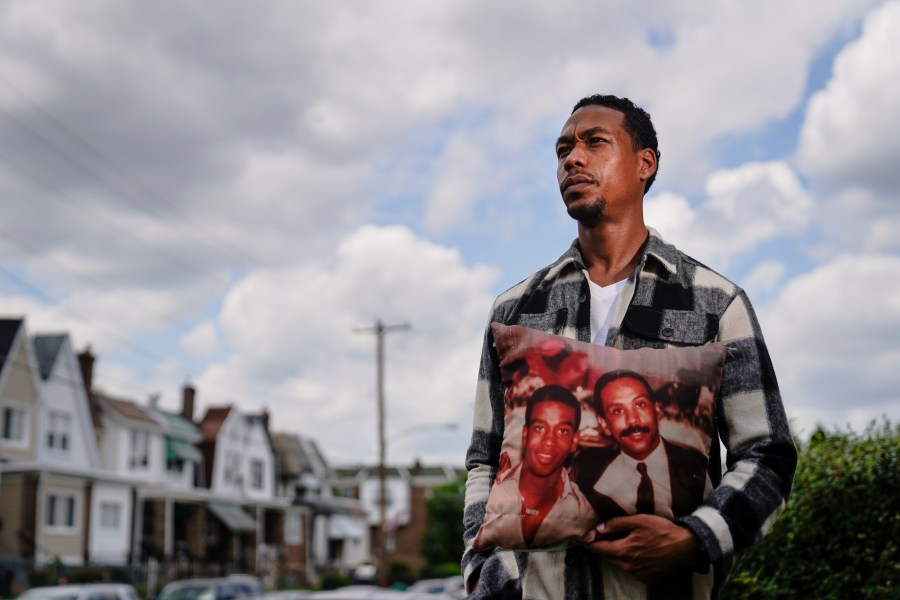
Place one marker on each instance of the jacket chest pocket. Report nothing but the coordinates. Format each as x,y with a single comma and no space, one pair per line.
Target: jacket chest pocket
671,327
550,322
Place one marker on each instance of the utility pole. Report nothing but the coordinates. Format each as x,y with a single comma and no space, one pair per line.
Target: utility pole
380,330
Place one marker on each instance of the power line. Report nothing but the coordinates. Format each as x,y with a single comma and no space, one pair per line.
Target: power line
156,200
98,213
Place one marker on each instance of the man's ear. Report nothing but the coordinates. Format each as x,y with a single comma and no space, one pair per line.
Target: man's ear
648,163
575,439
604,427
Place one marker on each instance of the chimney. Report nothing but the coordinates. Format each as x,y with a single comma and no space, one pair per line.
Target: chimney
86,361
187,402
265,417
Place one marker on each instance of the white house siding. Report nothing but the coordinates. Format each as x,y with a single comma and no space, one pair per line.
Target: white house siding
63,394
398,499
239,443
115,450
108,543
19,390
182,480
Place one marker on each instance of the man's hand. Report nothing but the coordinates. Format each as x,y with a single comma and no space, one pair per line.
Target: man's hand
647,546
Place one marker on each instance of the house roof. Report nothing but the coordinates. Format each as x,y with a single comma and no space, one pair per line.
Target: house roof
177,425
128,410
212,421
9,328
46,348
292,457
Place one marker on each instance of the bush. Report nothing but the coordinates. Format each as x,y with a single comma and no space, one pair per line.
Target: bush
333,580
442,541
401,572
840,534
449,569
88,575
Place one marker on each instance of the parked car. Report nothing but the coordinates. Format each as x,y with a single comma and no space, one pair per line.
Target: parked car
83,591
452,586
233,587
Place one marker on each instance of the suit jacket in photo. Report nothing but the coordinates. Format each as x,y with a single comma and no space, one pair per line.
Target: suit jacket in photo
687,476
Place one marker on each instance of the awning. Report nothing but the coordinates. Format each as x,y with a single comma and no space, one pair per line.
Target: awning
233,516
181,450
342,527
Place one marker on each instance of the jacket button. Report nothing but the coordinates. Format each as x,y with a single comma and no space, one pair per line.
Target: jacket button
668,332
570,560
582,298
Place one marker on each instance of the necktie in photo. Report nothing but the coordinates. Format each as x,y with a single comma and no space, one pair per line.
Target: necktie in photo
645,503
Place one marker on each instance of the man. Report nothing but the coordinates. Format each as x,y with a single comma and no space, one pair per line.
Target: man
643,473
607,160
538,492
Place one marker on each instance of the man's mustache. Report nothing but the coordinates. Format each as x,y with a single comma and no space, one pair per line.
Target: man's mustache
634,429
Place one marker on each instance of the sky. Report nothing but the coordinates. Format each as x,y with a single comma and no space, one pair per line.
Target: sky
229,194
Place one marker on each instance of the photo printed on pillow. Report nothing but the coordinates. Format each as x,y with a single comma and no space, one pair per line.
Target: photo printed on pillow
593,432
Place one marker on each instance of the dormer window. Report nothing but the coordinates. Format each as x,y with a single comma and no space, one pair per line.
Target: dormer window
256,474
59,428
140,450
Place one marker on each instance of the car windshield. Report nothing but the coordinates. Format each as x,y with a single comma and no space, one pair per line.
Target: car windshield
188,592
48,594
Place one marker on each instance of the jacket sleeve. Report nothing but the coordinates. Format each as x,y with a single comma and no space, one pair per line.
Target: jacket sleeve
494,571
761,456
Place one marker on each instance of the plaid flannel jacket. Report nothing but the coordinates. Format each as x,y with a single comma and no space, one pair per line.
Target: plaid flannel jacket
669,300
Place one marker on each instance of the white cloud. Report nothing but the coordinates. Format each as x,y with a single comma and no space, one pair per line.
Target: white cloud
153,156
744,208
851,136
294,341
764,278
202,341
833,337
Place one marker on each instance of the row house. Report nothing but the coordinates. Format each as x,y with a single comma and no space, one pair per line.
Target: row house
407,489
338,534
56,501
89,478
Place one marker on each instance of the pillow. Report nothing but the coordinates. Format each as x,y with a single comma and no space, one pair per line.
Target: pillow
593,432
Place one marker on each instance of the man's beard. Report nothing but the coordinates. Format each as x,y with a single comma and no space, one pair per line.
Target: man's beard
587,213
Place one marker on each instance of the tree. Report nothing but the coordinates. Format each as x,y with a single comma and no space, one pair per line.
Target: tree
442,542
840,534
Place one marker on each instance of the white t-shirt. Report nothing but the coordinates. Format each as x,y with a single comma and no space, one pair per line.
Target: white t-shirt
603,301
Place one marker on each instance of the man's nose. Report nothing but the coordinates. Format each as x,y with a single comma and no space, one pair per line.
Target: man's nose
575,157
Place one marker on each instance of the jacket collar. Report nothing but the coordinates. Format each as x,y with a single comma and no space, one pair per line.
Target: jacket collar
656,249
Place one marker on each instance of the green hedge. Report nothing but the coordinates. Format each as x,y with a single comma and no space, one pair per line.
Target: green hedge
840,534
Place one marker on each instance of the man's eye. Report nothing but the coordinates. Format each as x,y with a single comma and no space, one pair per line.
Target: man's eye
563,431
538,428
561,151
596,140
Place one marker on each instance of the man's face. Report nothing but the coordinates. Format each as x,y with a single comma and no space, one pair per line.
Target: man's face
630,417
598,171
549,438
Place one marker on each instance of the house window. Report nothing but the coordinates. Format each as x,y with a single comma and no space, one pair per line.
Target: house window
256,474
140,449
110,515
60,511
293,528
58,431
232,468
13,424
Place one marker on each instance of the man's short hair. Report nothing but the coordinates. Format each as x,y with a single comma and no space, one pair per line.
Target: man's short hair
611,376
553,393
636,122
